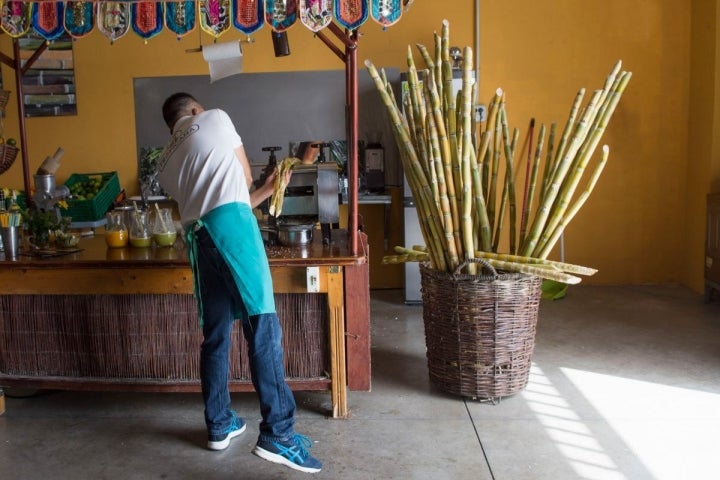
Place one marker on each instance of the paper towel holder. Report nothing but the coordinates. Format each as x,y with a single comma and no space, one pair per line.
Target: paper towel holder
249,39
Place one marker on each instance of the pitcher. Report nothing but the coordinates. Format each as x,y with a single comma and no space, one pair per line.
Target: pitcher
116,232
163,228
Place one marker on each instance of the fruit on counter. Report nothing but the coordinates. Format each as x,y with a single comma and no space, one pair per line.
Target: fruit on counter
140,242
66,239
116,238
11,141
166,239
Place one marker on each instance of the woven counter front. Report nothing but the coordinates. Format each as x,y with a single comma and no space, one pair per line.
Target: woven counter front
126,319
144,339
479,331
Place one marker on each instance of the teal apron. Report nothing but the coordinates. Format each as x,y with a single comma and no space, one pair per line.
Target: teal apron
235,232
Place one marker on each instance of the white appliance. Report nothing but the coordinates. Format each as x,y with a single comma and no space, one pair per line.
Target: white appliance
413,235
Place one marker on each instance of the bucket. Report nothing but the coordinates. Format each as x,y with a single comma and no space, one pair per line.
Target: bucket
479,329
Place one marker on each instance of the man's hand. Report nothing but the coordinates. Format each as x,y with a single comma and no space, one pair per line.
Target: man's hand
266,189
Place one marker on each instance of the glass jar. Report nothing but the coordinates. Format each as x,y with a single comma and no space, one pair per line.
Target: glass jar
116,233
140,235
163,228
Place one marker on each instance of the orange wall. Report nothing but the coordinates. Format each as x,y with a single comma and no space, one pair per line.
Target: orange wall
633,227
703,159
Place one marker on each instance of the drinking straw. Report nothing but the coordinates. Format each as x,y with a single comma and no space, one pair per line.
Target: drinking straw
162,222
137,216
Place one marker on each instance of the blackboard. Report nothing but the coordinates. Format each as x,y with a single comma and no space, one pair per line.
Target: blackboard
271,109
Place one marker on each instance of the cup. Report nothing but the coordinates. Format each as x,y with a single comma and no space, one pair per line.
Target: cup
10,240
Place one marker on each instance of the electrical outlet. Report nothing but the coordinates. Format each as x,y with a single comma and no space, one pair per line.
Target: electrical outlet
313,279
480,113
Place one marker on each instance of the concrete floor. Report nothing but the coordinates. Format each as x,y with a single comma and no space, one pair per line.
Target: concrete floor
625,385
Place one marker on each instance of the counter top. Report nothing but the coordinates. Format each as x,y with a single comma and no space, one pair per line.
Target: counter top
95,253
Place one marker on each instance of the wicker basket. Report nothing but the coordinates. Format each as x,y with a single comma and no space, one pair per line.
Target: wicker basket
8,153
479,330
4,97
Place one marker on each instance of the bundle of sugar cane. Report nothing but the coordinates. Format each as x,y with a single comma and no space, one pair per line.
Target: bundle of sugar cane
547,269
280,184
452,166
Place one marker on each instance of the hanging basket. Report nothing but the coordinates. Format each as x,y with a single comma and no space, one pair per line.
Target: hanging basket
4,97
8,153
479,330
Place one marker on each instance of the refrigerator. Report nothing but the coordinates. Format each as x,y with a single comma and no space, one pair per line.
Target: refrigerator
411,225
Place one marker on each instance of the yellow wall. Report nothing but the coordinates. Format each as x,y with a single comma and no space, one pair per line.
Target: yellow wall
644,221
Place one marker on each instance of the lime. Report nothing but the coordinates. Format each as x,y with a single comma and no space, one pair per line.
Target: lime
11,141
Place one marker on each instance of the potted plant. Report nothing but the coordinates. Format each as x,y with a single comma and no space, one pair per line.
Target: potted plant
41,226
486,242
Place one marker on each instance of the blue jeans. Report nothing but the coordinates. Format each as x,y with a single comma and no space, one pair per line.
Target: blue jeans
263,335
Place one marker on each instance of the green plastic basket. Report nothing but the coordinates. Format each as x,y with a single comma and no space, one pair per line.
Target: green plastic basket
94,209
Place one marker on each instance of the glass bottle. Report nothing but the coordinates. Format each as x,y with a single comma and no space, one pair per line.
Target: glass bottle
163,228
140,235
116,233
16,213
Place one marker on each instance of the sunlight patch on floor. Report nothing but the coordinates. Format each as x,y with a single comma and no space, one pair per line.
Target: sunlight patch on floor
672,431
573,439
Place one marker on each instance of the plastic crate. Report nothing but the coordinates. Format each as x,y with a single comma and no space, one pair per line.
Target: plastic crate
95,208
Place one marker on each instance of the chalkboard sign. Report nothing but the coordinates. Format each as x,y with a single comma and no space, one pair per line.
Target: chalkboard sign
270,109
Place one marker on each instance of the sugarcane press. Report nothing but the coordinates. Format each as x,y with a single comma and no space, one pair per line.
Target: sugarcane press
312,196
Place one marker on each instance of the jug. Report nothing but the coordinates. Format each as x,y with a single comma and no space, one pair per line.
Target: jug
140,235
116,233
163,228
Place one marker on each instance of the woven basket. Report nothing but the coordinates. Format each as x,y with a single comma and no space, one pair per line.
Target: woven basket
4,97
8,153
479,330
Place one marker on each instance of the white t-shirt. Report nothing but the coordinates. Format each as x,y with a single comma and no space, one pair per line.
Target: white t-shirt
198,166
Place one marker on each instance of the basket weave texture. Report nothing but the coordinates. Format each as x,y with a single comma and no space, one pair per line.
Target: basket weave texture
4,97
8,154
479,330
133,339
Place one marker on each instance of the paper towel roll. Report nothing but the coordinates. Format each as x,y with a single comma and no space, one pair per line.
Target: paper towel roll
224,59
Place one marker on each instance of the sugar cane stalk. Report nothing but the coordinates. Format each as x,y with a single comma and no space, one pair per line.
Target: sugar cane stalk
444,204
548,168
510,182
467,150
412,169
532,183
570,214
537,270
604,113
546,208
569,126
562,266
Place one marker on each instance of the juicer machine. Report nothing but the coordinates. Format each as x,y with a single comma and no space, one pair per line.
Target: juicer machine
312,196
47,195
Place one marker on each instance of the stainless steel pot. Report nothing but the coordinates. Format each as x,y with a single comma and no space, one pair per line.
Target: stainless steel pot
269,234
292,235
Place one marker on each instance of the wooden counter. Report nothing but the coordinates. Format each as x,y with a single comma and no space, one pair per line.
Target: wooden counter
125,319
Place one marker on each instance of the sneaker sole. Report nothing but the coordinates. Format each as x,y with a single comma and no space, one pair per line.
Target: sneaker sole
275,458
223,444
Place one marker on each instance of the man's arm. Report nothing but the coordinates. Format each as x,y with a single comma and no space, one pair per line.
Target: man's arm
240,154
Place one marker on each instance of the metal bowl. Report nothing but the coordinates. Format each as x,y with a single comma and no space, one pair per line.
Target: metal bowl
293,235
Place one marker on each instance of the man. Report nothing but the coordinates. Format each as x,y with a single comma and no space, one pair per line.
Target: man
205,169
